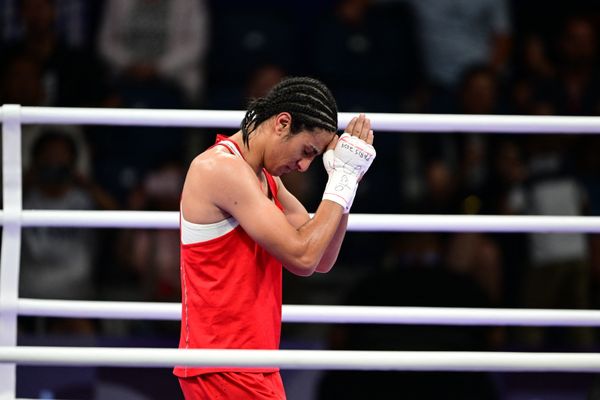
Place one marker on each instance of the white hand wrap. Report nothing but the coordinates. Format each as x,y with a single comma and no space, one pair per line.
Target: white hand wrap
345,165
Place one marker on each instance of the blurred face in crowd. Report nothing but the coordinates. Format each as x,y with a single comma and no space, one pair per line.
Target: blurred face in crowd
479,94
509,163
353,12
440,183
535,58
22,83
263,80
55,166
38,15
579,42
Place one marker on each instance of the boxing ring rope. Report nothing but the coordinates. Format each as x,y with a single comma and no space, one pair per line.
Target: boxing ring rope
379,121
13,219
305,359
356,222
322,314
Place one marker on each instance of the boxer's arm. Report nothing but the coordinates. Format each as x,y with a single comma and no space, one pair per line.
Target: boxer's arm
233,187
297,216
345,160
333,250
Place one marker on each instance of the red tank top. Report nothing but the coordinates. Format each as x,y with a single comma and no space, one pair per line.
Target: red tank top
231,295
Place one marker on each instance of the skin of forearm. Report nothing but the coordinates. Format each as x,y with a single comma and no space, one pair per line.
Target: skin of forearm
317,235
333,250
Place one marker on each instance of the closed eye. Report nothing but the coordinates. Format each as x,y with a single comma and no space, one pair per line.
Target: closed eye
310,151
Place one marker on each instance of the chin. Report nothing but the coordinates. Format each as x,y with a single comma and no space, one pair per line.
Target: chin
280,171
277,172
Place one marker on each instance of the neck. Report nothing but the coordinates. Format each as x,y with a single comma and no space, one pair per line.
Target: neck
253,153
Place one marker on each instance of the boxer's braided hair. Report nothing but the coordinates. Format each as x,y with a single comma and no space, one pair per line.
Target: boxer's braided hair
309,102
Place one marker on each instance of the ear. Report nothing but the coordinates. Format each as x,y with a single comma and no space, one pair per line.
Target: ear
283,123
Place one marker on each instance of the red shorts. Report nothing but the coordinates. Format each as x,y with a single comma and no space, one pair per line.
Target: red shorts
233,386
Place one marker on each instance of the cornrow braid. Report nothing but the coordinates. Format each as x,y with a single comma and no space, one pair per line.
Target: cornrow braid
309,102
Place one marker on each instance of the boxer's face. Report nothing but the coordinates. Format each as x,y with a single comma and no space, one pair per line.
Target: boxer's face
295,152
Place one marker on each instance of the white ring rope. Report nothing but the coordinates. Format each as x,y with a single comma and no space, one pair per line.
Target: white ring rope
323,314
304,359
380,121
357,222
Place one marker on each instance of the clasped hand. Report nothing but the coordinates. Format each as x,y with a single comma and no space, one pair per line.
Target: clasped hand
346,161
353,151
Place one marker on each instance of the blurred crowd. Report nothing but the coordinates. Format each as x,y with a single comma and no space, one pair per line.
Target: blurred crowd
403,56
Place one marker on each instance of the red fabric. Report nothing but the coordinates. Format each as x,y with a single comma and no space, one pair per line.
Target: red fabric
231,297
233,386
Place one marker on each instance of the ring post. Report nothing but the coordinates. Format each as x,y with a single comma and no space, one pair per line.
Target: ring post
11,241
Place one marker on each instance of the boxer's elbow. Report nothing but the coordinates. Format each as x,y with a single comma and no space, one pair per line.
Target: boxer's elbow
304,264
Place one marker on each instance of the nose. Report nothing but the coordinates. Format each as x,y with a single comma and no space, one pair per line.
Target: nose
303,164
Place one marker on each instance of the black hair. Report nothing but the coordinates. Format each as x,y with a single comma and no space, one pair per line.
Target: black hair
309,102
50,136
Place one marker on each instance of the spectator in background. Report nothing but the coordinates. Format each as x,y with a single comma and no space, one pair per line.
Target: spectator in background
533,67
155,50
455,34
558,274
262,79
507,171
156,44
588,168
576,87
412,274
58,263
69,77
464,155
467,154
21,83
478,94
475,256
147,260
12,29
153,255
367,52
75,22
455,174
250,34
442,189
